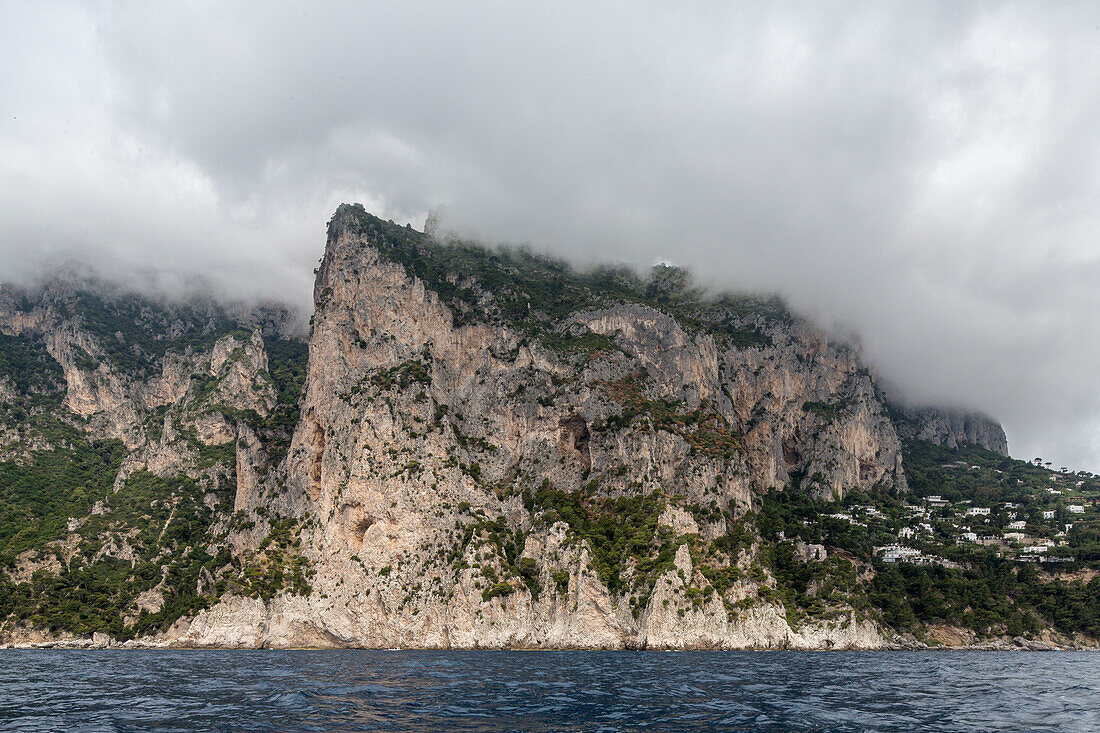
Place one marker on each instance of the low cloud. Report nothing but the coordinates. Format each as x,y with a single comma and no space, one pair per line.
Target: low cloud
922,174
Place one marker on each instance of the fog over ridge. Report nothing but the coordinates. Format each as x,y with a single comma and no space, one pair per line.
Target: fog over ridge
924,176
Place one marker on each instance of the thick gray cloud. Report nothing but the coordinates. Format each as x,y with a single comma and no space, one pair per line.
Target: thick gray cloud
922,174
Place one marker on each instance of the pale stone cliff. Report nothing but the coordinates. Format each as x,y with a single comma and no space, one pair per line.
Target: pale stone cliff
484,450
425,439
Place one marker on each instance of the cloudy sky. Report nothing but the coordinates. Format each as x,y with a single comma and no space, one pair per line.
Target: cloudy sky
925,175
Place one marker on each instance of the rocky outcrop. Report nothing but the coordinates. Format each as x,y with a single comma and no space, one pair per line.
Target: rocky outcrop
166,413
486,451
950,427
428,434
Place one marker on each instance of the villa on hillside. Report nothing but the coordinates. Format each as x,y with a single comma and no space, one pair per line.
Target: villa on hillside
897,553
900,553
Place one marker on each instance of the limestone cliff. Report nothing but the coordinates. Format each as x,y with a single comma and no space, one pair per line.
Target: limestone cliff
484,449
460,438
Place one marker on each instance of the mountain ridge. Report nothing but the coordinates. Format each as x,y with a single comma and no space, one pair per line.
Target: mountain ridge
492,450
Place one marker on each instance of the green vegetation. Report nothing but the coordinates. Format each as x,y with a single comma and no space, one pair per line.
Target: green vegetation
621,533
75,553
506,546
534,294
705,429
947,472
826,411
134,331
980,587
40,494
972,587
164,524
403,376
79,556
278,566
30,371
287,362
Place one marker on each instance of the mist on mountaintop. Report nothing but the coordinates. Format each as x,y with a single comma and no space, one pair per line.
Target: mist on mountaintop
922,175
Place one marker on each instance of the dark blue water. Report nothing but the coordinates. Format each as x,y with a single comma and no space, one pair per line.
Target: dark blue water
52,690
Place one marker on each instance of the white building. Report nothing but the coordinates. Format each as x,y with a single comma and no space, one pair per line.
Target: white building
906,533
898,553
1018,524
977,511
1048,514
936,500
1075,509
968,537
1014,536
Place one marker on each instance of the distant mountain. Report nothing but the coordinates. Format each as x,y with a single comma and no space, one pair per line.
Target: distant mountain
484,448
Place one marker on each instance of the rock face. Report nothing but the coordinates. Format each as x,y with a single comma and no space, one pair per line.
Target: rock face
950,427
132,428
450,458
488,451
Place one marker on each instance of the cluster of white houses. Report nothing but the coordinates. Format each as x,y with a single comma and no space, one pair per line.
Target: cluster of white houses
1013,538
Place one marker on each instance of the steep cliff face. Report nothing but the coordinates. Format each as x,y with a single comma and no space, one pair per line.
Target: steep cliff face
485,449
482,462
949,427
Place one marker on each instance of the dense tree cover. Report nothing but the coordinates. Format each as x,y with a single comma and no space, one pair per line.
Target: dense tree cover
135,331
992,595
29,369
990,479
163,523
287,360
164,526
39,494
982,476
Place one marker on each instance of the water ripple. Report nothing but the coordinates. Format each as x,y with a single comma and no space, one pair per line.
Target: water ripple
825,692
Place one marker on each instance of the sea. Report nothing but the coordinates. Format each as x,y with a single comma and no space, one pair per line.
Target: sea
360,690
